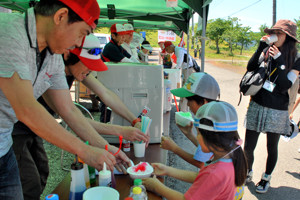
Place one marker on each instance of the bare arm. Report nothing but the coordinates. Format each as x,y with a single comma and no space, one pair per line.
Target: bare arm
188,132
77,121
128,133
154,185
115,103
168,144
20,95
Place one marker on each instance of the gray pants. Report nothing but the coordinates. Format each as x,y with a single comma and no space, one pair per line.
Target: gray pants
33,164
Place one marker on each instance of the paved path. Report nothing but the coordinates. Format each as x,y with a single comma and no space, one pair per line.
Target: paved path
285,182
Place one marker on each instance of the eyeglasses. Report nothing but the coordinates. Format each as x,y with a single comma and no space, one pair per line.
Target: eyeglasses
94,51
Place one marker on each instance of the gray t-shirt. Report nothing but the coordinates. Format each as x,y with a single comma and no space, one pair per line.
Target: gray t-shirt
18,45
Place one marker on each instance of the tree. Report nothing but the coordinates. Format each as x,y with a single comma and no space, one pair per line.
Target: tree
215,30
243,37
231,33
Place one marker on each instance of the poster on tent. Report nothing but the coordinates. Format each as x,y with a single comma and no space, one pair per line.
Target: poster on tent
166,36
172,3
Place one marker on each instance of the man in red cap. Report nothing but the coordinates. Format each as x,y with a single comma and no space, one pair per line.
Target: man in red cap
187,68
127,40
30,67
79,62
113,51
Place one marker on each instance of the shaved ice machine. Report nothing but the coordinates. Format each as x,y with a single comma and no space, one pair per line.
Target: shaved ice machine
137,85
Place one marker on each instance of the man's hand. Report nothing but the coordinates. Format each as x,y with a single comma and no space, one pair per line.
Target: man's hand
122,161
138,125
134,134
168,144
95,157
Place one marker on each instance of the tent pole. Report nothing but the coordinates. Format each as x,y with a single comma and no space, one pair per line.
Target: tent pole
203,37
188,42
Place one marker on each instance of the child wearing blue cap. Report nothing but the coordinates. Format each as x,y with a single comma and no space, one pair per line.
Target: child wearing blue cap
227,169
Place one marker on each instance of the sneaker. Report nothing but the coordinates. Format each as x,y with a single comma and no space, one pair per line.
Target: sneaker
249,176
264,183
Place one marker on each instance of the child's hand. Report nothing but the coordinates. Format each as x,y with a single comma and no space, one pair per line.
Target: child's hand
186,130
168,144
151,183
159,169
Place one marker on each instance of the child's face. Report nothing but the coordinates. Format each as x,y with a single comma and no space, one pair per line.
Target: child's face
193,106
201,142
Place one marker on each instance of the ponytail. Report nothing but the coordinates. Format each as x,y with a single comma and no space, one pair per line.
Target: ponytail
240,166
227,142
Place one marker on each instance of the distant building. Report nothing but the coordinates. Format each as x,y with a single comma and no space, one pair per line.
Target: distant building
5,10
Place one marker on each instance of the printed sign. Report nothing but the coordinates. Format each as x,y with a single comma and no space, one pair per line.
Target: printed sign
166,36
172,3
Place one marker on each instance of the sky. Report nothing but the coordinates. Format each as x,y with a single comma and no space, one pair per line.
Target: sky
254,13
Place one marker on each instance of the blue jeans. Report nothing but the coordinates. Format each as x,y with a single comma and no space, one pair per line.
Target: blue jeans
10,184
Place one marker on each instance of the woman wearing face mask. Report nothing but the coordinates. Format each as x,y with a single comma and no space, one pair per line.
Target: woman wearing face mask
268,109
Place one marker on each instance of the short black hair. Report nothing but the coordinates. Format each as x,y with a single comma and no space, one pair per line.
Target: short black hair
71,60
50,7
145,42
198,99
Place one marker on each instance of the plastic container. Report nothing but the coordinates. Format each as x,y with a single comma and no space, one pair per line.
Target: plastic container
138,194
92,173
126,145
52,197
105,177
167,95
138,182
100,192
78,186
139,175
183,118
86,175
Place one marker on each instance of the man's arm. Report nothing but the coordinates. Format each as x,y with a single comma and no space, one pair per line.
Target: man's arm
114,102
20,95
78,122
109,98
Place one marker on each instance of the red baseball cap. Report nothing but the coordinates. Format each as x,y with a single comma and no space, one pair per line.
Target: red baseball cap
89,53
118,28
88,10
166,44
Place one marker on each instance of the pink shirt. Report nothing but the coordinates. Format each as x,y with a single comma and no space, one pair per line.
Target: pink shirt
214,182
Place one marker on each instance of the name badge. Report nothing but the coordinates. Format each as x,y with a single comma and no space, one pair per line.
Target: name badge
268,85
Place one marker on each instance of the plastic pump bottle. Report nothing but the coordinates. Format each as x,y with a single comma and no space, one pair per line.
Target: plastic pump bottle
105,177
78,186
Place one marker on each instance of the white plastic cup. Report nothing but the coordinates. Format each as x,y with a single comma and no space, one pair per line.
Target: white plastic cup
271,39
139,149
